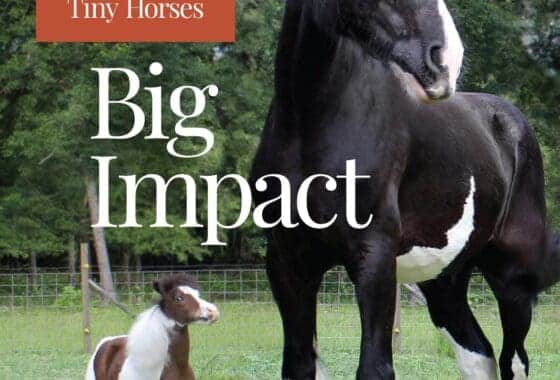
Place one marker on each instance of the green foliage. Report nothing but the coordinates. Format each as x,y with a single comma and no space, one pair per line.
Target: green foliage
48,113
70,298
543,33
443,347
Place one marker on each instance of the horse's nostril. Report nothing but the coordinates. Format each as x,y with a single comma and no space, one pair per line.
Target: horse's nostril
434,57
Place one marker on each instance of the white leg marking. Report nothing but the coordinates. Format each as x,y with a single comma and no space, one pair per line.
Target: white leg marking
319,372
518,368
452,54
319,369
473,366
426,263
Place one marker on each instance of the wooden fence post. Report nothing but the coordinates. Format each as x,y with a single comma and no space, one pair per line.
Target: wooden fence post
397,321
84,270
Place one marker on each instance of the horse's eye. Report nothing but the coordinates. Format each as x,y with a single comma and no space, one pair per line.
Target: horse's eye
178,299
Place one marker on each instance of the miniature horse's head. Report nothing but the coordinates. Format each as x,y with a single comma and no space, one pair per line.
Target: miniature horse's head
181,302
419,36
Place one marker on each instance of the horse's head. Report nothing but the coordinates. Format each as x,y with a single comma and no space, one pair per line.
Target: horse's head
181,302
419,36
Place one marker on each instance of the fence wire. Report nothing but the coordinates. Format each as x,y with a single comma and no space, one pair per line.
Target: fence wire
222,285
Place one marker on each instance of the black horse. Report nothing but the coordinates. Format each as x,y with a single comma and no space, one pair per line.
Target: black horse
454,184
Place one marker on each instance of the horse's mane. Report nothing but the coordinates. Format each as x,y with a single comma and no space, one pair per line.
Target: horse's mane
168,282
148,342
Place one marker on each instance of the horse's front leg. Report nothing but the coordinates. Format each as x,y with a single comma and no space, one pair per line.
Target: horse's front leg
373,272
295,284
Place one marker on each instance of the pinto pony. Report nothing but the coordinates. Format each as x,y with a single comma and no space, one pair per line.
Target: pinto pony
157,346
445,183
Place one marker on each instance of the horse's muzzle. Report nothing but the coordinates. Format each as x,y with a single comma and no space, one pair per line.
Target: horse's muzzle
209,313
439,90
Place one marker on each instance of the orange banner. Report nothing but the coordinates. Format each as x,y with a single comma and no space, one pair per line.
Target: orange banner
135,21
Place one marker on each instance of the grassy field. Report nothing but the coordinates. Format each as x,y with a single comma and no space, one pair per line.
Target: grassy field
246,343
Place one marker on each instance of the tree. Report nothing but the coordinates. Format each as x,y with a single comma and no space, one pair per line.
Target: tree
48,113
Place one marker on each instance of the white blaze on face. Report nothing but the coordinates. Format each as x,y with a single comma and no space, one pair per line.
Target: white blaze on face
208,311
472,365
426,263
452,53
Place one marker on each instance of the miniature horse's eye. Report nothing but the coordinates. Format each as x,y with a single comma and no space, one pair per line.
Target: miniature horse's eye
178,299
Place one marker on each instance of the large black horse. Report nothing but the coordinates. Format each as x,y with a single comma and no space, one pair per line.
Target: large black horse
456,182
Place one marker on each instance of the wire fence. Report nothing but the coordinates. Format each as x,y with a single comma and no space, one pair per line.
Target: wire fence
41,331
24,291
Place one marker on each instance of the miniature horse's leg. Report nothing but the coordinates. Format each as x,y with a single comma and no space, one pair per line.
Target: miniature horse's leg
374,277
295,284
450,312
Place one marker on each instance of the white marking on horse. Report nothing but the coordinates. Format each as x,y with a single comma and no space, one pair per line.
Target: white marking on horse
452,54
189,291
319,369
518,368
319,372
426,263
90,371
208,311
147,346
472,365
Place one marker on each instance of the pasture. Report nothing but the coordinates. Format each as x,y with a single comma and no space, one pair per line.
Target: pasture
46,343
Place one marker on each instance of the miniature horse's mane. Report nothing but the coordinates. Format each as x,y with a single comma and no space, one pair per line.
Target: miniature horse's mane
147,345
167,283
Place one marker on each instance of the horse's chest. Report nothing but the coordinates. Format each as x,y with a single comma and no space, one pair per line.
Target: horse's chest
421,263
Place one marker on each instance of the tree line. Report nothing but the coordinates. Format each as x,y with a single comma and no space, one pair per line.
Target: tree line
48,113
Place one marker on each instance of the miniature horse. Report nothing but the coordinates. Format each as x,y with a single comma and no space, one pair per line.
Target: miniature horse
442,186
157,346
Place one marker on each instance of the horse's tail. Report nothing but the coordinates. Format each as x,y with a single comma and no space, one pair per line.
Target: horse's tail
550,269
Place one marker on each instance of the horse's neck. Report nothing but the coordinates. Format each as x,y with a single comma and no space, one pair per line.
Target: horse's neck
314,66
303,54
179,349
148,344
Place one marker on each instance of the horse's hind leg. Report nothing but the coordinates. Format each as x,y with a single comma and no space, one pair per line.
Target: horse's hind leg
450,312
515,313
516,321
295,284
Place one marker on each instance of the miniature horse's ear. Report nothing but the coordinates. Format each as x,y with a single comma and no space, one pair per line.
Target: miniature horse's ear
155,284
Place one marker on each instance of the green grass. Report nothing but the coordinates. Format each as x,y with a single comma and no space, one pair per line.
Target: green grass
246,343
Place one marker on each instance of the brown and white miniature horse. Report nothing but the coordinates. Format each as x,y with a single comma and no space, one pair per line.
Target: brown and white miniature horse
157,346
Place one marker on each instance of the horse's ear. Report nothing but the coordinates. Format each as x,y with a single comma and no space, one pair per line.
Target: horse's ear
155,284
